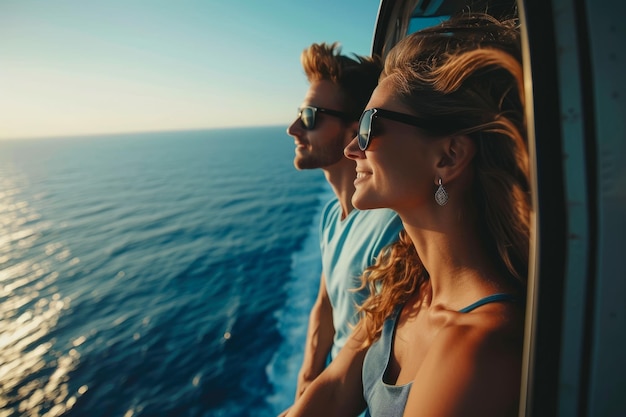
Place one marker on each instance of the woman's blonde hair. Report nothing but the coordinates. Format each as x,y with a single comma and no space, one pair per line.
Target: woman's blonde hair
463,76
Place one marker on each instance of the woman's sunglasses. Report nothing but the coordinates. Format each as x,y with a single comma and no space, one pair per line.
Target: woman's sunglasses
306,115
367,120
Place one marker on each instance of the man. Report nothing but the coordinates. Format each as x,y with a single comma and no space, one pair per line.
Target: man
350,239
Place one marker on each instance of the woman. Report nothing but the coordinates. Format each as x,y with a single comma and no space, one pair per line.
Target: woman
442,143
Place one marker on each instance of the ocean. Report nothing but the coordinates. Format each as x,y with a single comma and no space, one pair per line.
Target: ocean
155,274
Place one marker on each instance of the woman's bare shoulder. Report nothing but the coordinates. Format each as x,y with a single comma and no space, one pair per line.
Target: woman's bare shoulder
473,366
496,329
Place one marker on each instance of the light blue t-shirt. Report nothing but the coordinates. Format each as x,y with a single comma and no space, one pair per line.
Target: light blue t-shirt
348,247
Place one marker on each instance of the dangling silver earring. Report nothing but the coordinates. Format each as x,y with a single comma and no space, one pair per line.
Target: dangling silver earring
441,195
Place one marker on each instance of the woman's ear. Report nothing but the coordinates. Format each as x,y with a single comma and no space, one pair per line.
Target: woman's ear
457,152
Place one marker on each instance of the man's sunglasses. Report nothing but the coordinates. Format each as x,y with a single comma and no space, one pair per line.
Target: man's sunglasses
306,115
367,120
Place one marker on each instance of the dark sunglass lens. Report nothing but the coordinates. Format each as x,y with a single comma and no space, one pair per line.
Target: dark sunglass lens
364,130
307,116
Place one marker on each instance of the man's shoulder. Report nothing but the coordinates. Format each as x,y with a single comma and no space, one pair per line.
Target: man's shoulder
332,208
380,226
332,204
379,213
377,218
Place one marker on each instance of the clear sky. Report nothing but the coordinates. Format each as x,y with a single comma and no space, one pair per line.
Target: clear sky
71,67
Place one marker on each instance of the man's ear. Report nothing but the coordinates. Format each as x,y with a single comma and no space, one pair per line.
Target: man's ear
457,152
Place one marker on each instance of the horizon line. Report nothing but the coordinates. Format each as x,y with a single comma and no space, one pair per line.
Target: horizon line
137,132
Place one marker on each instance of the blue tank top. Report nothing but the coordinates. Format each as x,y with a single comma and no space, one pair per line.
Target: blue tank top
384,400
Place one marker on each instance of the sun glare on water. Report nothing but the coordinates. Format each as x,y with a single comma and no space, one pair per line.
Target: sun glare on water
33,372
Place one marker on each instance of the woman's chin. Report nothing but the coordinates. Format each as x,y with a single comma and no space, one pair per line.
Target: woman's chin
364,202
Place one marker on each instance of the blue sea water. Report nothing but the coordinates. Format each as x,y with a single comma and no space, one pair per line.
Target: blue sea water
161,274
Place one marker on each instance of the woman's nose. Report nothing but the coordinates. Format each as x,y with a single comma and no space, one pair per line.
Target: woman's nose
352,151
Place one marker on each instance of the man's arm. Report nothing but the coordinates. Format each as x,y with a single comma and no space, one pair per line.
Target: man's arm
319,339
338,391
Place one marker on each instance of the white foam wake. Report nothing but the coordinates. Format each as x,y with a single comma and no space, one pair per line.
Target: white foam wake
293,318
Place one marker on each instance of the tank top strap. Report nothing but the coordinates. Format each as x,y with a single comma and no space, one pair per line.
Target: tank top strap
493,298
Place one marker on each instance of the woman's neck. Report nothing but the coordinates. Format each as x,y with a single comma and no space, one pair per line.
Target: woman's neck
459,267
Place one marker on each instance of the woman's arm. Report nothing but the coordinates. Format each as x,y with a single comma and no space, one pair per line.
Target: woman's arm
338,391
